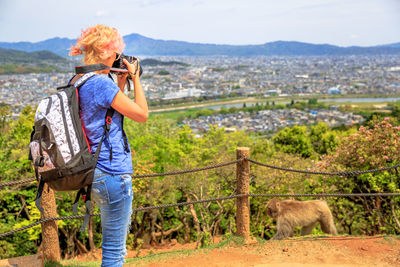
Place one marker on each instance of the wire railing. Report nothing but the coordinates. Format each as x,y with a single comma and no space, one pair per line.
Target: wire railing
348,173
218,165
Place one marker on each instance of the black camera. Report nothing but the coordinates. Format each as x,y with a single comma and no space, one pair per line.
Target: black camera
119,66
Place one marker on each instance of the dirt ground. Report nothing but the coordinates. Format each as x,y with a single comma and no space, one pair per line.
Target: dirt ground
300,252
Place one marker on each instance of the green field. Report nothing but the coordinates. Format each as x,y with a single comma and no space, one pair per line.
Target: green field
174,112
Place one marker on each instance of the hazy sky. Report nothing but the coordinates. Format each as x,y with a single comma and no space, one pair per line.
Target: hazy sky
338,22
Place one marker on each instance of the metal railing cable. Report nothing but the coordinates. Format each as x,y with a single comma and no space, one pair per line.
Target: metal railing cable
348,173
188,202
133,210
13,183
202,201
328,195
43,221
218,165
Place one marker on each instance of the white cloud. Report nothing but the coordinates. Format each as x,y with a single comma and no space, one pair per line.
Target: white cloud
101,13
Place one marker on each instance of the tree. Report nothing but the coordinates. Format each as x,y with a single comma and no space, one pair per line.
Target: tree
396,110
14,146
369,148
163,72
294,140
17,205
5,112
223,110
312,101
323,139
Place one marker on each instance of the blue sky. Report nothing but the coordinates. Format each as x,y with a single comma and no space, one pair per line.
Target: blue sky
338,22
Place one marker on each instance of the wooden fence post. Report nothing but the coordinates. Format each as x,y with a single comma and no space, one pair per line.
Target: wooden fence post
50,243
243,187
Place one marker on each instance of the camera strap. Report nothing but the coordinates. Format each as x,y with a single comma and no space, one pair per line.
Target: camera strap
96,67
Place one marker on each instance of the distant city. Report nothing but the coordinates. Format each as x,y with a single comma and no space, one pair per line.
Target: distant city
216,76
271,120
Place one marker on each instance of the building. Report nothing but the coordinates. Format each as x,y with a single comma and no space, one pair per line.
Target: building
191,92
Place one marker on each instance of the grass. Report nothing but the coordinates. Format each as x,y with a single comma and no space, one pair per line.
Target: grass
190,110
162,256
175,114
388,239
312,237
277,99
73,263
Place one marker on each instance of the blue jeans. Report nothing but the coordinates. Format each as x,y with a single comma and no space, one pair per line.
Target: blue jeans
113,194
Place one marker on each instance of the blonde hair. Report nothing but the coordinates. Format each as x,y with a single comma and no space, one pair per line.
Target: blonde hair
98,43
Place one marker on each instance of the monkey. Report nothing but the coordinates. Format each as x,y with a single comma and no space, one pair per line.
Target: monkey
292,213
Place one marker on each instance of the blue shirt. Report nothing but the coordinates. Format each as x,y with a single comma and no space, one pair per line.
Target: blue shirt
95,97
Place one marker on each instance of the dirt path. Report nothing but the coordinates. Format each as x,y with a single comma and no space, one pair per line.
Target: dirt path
332,251
298,252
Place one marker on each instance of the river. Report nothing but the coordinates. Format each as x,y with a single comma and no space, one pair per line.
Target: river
339,100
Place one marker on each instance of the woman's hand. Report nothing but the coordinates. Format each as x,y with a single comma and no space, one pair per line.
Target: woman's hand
136,110
122,78
132,68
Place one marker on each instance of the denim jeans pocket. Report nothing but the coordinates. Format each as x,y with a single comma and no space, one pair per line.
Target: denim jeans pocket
100,192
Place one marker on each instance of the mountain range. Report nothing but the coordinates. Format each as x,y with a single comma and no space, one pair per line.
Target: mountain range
140,45
18,56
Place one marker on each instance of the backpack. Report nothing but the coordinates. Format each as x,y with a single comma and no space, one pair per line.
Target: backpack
59,149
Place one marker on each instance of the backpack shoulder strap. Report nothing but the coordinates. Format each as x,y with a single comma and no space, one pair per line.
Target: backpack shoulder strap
124,135
90,68
74,79
88,205
96,67
83,79
38,197
107,126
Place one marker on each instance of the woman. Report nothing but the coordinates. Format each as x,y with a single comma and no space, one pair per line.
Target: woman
112,183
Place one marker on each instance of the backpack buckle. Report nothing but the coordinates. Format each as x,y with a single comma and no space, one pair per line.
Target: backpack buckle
108,120
39,161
